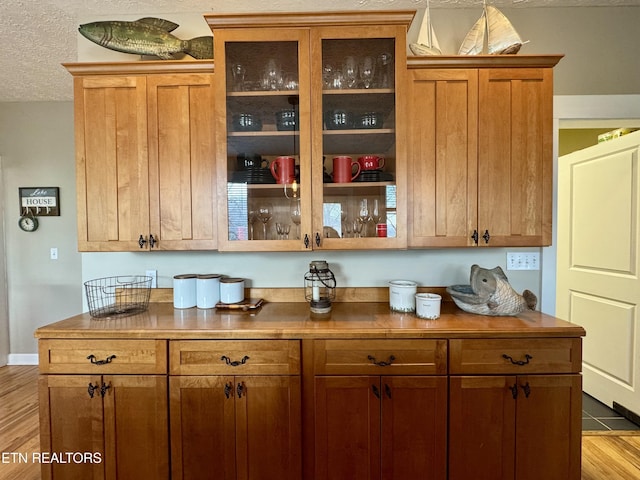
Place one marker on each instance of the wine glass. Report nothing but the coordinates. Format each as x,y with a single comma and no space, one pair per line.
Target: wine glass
296,215
350,71
238,71
264,213
366,70
358,225
375,211
364,215
252,218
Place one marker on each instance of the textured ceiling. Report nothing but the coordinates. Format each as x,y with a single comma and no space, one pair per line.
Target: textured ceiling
37,36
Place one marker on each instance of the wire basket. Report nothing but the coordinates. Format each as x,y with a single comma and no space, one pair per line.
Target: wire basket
118,296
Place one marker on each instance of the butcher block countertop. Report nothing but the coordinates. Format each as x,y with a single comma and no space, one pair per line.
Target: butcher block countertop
292,320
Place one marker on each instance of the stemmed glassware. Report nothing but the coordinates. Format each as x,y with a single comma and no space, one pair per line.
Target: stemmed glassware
364,215
295,212
350,71
264,213
375,212
366,70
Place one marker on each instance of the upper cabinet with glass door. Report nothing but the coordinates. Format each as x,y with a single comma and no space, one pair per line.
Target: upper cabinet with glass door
309,130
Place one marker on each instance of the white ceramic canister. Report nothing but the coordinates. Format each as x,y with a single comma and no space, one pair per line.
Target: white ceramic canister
184,290
231,290
402,295
428,305
208,290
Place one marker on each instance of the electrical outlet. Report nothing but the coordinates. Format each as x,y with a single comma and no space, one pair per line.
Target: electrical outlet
523,261
154,275
53,253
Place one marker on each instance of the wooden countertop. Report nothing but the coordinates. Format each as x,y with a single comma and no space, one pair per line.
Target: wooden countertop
293,320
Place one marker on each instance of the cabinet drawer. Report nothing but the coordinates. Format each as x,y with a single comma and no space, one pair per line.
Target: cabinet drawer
380,357
234,357
518,355
103,356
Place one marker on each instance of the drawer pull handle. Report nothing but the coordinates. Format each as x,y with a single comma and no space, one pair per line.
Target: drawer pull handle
527,357
234,363
100,362
381,363
228,389
526,388
91,389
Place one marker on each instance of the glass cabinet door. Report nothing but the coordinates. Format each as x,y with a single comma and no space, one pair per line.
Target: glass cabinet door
263,138
359,161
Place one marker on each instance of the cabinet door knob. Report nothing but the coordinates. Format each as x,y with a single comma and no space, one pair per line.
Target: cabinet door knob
240,389
474,236
526,388
514,391
152,241
91,389
387,390
317,239
486,236
376,391
228,389
103,389
306,241
142,241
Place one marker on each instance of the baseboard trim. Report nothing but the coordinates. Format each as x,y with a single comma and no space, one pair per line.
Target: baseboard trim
22,359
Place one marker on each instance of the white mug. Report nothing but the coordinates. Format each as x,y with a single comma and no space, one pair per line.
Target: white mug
428,305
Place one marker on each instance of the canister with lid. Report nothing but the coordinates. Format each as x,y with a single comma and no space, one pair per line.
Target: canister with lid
231,290
208,290
184,290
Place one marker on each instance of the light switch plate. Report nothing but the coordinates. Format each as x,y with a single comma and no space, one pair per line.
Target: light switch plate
523,261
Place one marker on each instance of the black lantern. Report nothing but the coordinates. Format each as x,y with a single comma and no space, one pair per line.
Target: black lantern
319,287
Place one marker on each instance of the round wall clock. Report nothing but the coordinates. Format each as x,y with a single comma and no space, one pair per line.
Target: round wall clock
28,224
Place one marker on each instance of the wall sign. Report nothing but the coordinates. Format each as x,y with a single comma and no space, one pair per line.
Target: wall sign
40,201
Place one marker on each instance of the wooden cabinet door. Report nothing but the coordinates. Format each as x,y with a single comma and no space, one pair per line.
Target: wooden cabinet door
202,427
136,426
414,428
443,123
111,162
548,427
482,428
268,428
347,427
71,421
515,156
182,170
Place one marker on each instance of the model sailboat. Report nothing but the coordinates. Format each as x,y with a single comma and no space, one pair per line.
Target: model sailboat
500,35
427,43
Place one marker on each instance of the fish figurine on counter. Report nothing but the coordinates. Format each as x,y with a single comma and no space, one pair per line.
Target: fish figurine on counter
491,294
146,36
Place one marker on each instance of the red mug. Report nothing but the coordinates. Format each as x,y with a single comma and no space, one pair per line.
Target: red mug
283,169
371,162
343,169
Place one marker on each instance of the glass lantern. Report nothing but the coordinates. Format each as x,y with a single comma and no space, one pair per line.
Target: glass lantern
319,287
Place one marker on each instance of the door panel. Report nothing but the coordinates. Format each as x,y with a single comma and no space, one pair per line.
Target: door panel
598,285
202,428
136,426
268,428
414,428
347,428
481,428
74,426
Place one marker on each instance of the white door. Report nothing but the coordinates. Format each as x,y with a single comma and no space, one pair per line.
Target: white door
598,284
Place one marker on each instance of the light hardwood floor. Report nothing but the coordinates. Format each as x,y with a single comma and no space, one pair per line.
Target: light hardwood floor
610,456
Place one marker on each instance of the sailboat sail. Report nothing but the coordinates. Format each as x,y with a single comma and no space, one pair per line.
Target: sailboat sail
501,37
427,43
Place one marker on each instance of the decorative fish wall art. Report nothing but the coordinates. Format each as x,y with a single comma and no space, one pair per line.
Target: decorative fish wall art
490,293
146,36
